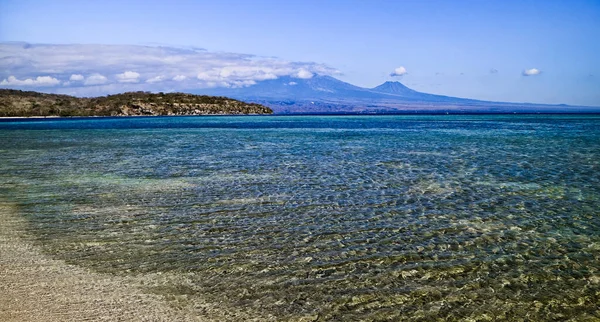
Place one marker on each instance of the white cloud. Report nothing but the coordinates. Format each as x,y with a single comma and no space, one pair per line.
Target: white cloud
241,72
76,77
208,76
95,79
38,81
128,77
531,72
163,68
292,83
304,74
154,79
239,75
233,77
399,71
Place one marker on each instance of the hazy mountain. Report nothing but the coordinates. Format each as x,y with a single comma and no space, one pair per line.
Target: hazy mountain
325,94
398,89
395,88
318,87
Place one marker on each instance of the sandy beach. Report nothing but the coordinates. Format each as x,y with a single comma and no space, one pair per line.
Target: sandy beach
35,287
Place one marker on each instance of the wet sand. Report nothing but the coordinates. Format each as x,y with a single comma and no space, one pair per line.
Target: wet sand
35,287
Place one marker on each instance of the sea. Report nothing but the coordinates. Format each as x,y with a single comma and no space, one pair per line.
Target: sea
320,218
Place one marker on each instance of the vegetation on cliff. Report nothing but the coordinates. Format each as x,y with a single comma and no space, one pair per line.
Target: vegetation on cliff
28,103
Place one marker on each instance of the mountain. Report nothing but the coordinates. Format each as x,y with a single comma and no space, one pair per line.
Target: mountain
394,88
399,90
27,103
318,87
326,94
323,94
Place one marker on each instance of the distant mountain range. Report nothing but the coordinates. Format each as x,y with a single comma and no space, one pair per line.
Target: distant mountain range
326,94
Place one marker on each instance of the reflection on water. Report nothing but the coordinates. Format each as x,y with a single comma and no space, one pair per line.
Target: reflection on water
350,218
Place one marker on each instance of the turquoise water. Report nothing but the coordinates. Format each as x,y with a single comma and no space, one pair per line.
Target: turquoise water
324,217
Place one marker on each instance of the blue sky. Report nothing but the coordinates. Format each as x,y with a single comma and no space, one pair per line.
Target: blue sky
475,49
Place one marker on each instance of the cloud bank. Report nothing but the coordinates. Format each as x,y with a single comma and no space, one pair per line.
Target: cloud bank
95,79
100,69
531,72
400,71
129,77
76,77
38,81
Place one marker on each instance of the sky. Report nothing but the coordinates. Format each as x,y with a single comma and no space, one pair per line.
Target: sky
541,51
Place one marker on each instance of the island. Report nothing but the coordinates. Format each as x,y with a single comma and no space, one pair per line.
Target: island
17,103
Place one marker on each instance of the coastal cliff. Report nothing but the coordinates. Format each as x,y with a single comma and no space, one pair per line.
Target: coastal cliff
14,103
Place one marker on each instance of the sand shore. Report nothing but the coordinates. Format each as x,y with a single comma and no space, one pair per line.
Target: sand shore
35,287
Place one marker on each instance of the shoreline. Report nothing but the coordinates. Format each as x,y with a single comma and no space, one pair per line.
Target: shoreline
399,113
36,287
116,116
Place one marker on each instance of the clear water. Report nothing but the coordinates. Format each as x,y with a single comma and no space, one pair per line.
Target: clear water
325,217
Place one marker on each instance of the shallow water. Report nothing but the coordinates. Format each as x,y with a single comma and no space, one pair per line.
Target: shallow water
325,217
